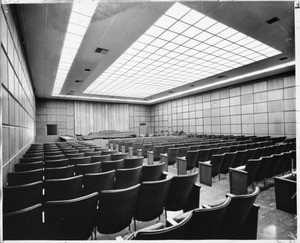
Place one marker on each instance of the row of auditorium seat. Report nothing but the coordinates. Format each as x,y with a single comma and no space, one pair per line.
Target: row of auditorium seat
76,218
19,196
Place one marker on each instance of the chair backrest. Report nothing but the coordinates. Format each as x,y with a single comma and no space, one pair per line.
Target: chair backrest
258,152
206,219
194,147
251,168
227,162
76,155
96,182
54,157
238,158
233,148
80,160
224,149
262,168
112,165
72,219
81,169
127,177
211,152
216,163
71,151
62,189
24,177
239,205
32,159
153,172
118,208
281,164
109,152
145,148
85,150
174,232
191,158
29,166
152,199
172,155
56,163
24,224
98,158
59,172
22,196
166,148
267,150
287,156
133,162
179,191
119,156
182,151
203,155
95,153
248,155
157,150
30,155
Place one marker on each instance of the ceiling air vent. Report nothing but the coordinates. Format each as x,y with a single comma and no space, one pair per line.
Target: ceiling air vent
170,92
78,81
272,20
283,58
101,51
222,76
87,69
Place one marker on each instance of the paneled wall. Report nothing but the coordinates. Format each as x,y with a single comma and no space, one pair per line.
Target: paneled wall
18,102
79,117
54,112
261,108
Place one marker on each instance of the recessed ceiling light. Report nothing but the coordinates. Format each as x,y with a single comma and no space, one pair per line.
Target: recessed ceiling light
87,69
101,50
272,20
283,58
78,81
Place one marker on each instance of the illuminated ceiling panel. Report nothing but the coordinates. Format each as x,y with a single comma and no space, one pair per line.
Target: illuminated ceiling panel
181,47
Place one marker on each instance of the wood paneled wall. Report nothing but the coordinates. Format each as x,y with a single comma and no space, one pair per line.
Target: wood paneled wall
93,117
258,108
18,102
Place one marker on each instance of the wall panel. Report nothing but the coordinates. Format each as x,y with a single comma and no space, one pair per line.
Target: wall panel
18,102
264,107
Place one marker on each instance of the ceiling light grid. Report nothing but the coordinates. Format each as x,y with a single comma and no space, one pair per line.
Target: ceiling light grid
78,23
181,47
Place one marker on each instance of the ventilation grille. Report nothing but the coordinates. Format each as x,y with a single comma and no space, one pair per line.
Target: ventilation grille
101,50
272,20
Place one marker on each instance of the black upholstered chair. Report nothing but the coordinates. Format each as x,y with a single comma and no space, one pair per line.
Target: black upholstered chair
119,156
262,169
24,224
22,196
170,157
116,209
99,158
152,199
93,153
24,177
32,159
210,169
127,177
59,172
63,189
80,160
112,165
133,162
184,193
154,155
73,219
54,157
29,166
153,172
187,163
96,182
245,225
241,177
56,163
227,162
81,169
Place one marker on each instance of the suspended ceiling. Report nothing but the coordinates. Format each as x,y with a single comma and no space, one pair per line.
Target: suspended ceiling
115,26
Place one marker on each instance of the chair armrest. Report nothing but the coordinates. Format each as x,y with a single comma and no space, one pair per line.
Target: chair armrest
123,149
139,152
205,173
181,216
205,164
206,206
238,181
130,152
150,157
181,166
